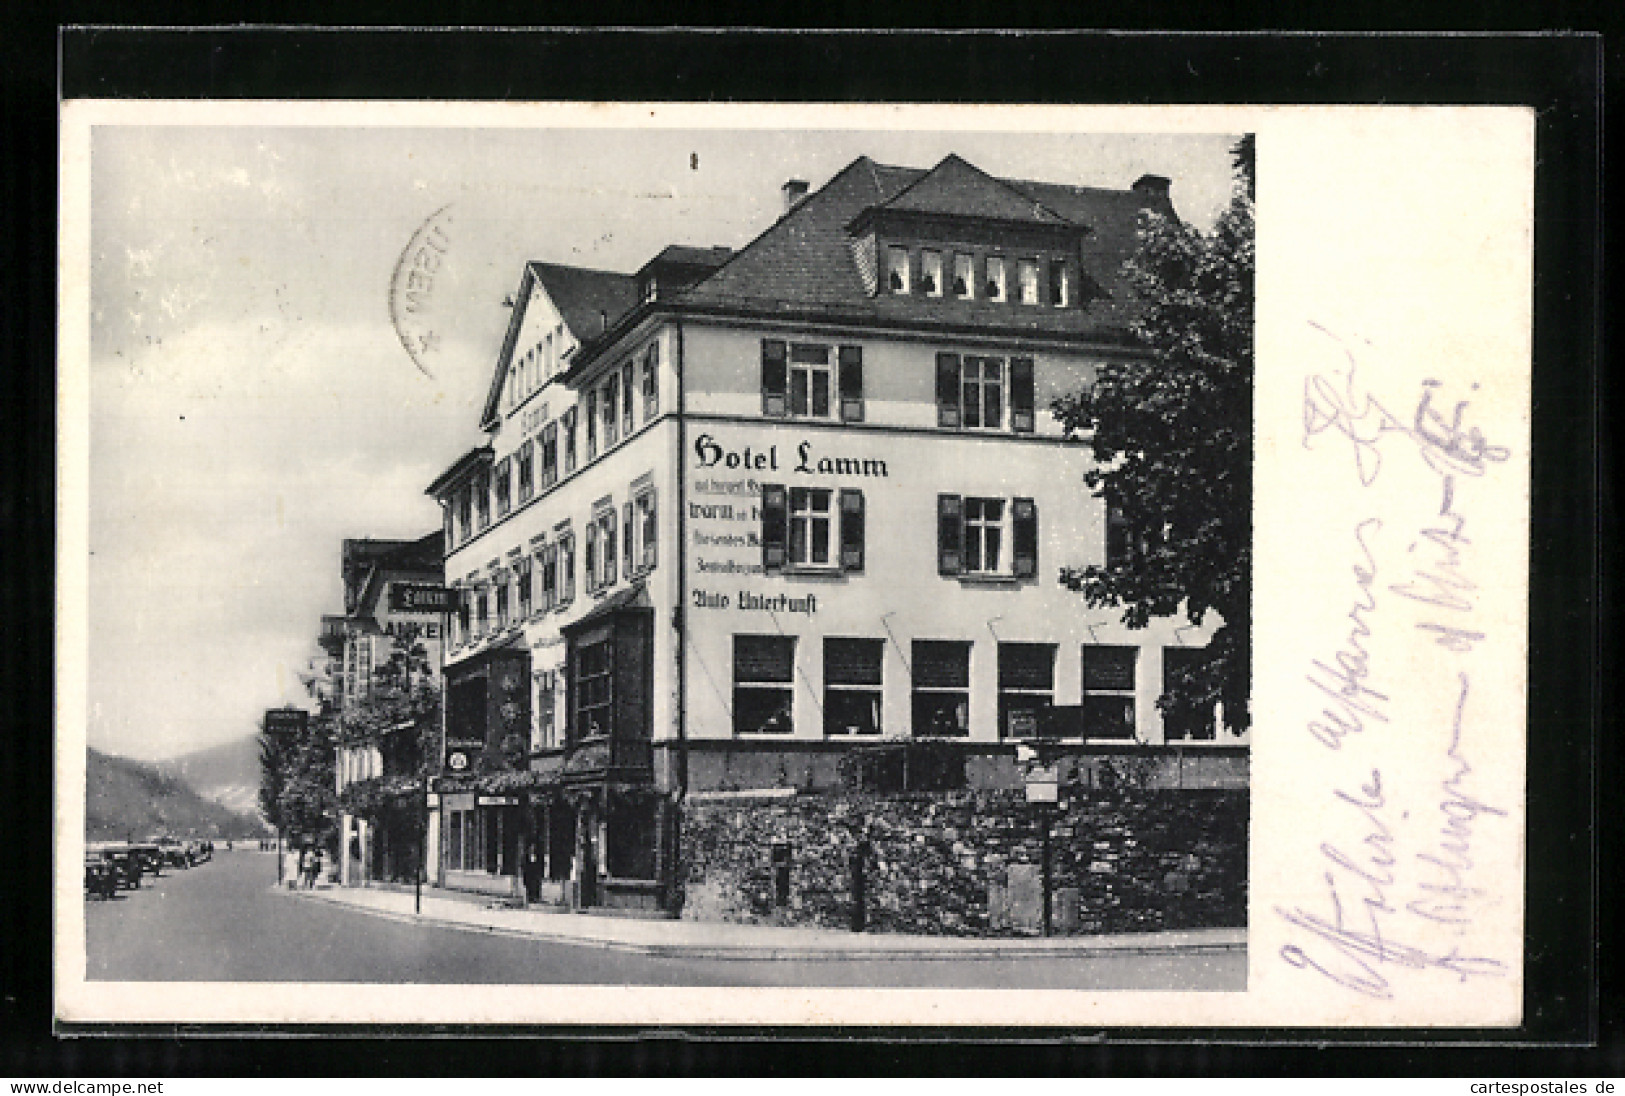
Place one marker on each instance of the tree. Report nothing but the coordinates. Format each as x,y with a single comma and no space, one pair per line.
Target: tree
296,779
1171,433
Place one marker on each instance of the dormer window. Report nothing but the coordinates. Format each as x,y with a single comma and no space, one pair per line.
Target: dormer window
931,273
964,277
897,269
1060,294
993,289
1027,281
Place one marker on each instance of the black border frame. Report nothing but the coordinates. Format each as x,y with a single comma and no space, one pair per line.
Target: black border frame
1560,75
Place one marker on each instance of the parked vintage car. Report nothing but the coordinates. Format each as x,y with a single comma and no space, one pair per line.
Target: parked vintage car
124,862
101,877
197,851
171,852
150,856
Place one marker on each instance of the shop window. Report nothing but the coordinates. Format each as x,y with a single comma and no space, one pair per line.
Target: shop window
526,464
972,534
1108,690
931,273
941,678
1026,684
628,399
852,685
630,835
1059,284
764,668
550,455
570,418
812,527
1184,720
593,688
561,841
504,487
897,269
1027,281
964,277
610,403
651,382
993,286
809,381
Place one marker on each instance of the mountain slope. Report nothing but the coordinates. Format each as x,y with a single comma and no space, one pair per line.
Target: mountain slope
125,798
229,773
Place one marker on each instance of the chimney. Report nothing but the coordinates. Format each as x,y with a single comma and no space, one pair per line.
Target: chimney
794,191
1152,187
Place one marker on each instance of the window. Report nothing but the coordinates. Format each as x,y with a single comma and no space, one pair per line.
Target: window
526,463
1108,690
897,269
465,513
984,535
852,691
525,573
972,534
594,688
567,565
964,277
464,610
610,402
482,609
502,600
601,548
569,441
482,499
809,381
931,273
504,487
448,525
1027,281
545,734
812,527
1183,719
1059,296
1026,684
648,530
941,672
651,382
547,557
764,669
971,392
628,400
550,454
994,285
590,556
592,423
629,560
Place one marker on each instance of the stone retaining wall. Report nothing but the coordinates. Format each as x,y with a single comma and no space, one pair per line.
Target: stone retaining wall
969,862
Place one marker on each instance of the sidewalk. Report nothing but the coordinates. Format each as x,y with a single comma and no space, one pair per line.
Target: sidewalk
712,940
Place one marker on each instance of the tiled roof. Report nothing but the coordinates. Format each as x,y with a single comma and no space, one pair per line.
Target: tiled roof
686,255
583,295
803,264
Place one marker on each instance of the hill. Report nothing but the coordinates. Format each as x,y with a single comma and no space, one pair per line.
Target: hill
229,773
125,798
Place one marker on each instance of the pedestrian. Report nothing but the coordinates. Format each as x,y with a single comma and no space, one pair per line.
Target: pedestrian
307,864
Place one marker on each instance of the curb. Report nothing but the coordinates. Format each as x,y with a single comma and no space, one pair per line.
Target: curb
747,952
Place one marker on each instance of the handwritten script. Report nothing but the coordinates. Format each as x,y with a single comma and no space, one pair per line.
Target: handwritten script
1382,893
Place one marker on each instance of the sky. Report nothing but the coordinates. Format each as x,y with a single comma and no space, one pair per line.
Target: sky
252,404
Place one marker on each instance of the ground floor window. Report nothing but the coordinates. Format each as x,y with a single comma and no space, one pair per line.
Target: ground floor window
941,702
852,685
594,691
631,837
1026,684
1184,720
561,841
1108,690
463,842
764,672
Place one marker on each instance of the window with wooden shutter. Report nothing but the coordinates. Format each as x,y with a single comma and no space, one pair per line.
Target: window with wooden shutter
775,526
1021,395
775,379
950,534
628,537
948,390
591,557
607,545
1024,538
851,383
851,530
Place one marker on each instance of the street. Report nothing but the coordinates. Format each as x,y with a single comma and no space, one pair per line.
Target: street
224,921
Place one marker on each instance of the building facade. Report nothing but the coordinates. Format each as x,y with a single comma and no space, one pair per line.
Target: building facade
740,514
389,636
